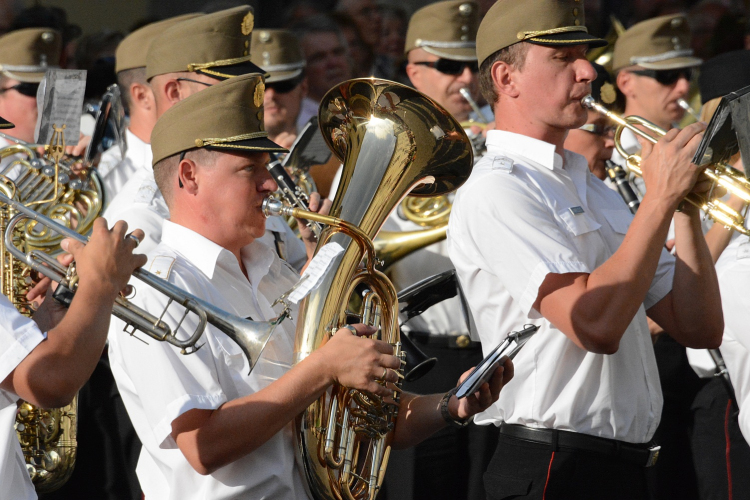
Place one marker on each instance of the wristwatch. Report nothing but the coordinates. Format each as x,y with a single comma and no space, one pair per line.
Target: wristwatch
457,422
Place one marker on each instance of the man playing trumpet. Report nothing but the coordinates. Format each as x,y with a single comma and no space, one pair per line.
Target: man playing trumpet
209,426
536,238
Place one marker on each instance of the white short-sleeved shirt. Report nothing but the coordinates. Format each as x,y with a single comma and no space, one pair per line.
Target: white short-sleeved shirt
114,170
518,218
733,272
444,318
158,384
18,337
141,204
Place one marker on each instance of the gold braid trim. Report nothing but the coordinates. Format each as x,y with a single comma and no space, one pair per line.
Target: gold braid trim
192,67
223,142
525,35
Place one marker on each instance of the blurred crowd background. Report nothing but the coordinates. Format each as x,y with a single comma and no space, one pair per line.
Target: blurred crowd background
373,30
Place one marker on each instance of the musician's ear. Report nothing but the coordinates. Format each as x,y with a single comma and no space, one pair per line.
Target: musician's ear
187,179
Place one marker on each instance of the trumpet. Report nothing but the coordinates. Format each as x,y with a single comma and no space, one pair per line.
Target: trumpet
729,178
250,336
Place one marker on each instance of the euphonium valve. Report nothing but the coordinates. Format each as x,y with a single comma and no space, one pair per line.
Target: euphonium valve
729,178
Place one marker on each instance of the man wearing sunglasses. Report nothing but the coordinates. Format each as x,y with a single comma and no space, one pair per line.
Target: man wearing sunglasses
654,65
440,45
278,52
594,140
24,57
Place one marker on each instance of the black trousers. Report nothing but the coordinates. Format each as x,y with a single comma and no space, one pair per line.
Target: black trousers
449,464
720,453
674,476
524,470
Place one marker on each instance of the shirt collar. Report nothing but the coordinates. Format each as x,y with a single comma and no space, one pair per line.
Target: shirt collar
543,153
138,151
206,255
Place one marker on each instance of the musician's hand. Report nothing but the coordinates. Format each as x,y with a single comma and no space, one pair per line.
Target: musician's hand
358,362
487,394
107,261
80,148
285,139
667,166
51,312
308,236
38,292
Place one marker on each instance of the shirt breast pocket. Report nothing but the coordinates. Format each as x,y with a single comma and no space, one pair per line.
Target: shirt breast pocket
619,220
578,224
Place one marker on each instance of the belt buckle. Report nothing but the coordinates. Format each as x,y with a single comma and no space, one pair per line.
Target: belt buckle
653,455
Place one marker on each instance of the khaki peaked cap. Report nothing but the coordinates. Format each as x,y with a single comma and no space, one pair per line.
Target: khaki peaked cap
659,43
25,55
217,45
226,116
279,54
542,22
445,29
132,50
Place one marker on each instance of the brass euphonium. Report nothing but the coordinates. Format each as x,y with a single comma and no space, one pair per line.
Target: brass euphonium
392,141
723,175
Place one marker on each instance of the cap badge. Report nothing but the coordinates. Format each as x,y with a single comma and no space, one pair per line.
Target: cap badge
48,37
676,22
608,93
264,36
247,24
258,96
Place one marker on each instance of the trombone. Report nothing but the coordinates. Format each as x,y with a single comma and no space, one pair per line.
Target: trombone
729,178
250,336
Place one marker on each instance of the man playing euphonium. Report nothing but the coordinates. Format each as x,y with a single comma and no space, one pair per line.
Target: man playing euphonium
209,427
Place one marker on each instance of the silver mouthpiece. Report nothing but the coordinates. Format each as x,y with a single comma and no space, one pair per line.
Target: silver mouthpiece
588,102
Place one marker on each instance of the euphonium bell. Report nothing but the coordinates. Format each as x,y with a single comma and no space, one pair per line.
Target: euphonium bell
393,141
729,178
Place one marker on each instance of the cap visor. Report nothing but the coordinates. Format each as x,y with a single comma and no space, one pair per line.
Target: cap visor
259,145
674,63
459,54
24,77
569,38
226,72
282,76
5,123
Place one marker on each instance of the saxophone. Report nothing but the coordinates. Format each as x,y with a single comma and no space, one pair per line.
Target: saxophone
393,141
47,436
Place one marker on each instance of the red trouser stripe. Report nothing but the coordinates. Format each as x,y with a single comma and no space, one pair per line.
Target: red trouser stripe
726,436
549,470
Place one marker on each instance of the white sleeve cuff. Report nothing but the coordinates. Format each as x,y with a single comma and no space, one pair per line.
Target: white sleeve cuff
163,430
25,342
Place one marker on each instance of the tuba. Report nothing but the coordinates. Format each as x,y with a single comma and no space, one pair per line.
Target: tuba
393,141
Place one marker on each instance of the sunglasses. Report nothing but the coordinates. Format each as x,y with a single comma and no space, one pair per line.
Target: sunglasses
284,87
596,129
666,76
450,66
24,88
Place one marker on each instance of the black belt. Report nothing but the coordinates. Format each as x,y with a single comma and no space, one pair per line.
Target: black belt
449,341
641,454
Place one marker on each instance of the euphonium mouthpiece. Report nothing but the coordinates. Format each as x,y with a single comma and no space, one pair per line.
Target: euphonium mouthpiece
272,207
